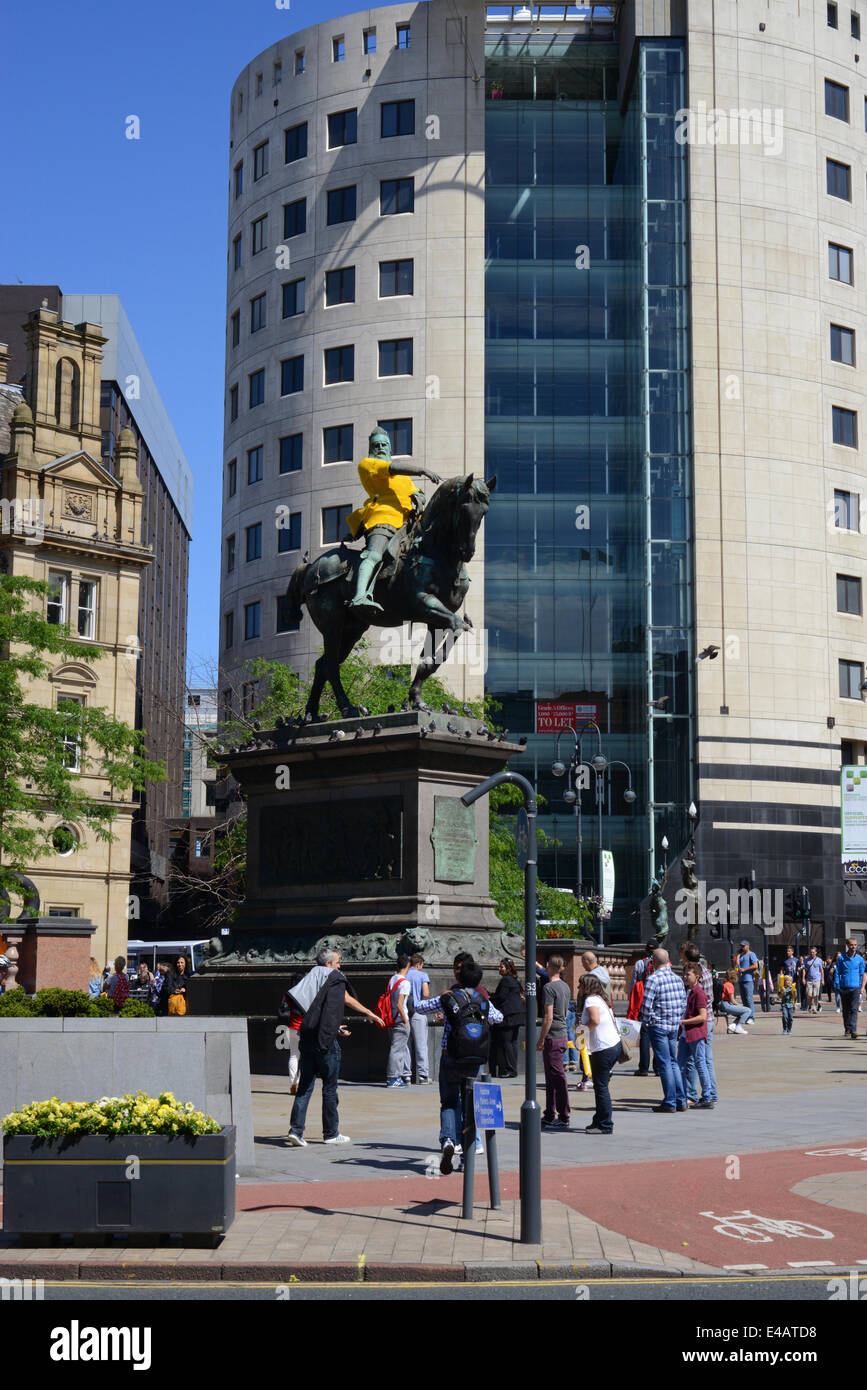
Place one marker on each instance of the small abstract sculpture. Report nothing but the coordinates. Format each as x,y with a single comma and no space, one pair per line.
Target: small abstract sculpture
658,906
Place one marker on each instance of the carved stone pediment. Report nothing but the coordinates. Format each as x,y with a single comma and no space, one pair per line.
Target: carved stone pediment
78,504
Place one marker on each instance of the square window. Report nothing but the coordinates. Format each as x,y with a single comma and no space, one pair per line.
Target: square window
338,49
843,345
397,118
396,196
228,631
400,434
260,161
342,128
395,277
258,232
836,100
258,313
851,679
252,620
293,298
855,24
292,376
230,554
337,444
233,403
239,179
237,255
288,531
254,542
236,328
832,16
283,621
255,471
848,596
295,143
846,510
838,180
57,599
403,35
334,527
844,426
339,365
370,40
291,453
294,218
840,265
257,387
341,205
340,286
300,62
231,477
395,357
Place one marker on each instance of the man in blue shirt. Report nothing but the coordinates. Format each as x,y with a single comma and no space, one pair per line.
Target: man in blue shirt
747,964
849,980
662,1010
420,983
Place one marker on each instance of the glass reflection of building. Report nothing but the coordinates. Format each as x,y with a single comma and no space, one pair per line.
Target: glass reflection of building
587,551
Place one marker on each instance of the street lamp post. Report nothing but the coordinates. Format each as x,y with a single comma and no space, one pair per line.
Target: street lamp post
600,765
530,1138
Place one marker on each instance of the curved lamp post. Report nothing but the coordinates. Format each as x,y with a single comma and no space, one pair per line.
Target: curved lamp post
530,1144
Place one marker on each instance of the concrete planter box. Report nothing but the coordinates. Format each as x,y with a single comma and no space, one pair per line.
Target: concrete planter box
92,1186
202,1059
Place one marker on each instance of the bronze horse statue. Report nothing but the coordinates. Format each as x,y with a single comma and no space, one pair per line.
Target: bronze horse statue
424,580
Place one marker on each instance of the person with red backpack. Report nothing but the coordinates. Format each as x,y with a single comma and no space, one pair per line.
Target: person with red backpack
117,987
640,975
394,1005
468,1014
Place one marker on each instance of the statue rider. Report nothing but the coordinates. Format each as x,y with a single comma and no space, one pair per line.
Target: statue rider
390,497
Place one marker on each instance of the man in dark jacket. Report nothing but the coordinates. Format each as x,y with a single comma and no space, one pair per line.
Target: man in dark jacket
320,1051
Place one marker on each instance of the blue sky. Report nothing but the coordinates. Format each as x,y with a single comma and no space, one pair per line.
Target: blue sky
96,213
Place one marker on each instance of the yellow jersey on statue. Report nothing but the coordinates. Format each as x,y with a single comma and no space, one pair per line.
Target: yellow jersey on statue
390,489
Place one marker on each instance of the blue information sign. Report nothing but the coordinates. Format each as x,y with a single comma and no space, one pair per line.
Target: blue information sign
488,1105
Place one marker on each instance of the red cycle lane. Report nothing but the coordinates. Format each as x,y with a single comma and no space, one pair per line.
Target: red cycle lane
725,1210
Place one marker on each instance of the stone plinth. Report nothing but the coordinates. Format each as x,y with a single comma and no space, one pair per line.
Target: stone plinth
49,952
356,837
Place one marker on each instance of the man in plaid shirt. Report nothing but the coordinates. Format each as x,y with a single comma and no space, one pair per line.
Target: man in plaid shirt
691,955
661,1012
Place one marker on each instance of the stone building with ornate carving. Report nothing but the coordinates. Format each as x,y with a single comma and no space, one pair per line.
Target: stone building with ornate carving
70,522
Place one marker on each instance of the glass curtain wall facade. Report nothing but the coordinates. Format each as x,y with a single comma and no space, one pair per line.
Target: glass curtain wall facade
585,428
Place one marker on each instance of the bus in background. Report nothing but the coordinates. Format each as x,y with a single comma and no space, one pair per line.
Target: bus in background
155,951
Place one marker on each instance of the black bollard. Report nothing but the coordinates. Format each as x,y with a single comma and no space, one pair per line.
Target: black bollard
469,1143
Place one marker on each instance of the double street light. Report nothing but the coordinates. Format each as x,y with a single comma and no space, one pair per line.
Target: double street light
572,796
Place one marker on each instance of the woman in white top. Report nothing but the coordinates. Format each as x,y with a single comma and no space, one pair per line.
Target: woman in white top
603,1044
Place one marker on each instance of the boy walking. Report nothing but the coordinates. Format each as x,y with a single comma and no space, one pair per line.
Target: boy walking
787,989
420,985
399,1071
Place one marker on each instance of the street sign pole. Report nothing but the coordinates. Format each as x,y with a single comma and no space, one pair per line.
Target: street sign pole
530,1139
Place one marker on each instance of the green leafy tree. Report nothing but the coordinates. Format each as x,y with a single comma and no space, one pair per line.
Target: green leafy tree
40,744
563,914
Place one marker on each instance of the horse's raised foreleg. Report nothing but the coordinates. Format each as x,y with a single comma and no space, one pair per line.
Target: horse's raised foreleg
437,648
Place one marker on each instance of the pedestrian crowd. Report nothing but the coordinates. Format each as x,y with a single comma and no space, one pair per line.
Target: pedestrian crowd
165,991
673,1013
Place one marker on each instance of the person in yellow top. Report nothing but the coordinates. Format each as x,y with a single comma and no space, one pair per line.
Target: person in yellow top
388,507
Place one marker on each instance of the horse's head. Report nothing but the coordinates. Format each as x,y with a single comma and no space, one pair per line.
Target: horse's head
471,502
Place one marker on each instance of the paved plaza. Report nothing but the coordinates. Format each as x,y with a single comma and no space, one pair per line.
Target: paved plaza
775,1178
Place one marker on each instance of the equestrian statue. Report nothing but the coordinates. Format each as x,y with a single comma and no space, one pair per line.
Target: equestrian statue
412,568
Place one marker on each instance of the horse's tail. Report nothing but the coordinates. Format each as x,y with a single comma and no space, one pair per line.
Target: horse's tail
295,594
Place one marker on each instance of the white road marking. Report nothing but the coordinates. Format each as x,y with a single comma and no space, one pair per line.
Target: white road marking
745,1266
808,1264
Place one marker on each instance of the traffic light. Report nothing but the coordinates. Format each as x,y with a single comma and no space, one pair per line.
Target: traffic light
793,910
798,904
805,902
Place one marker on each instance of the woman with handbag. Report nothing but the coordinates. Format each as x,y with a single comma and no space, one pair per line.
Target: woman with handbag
175,986
605,1046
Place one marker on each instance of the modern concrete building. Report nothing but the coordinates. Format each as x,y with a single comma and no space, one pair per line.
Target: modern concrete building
658,207
130,399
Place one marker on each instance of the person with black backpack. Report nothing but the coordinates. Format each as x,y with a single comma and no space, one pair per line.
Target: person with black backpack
468,1016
